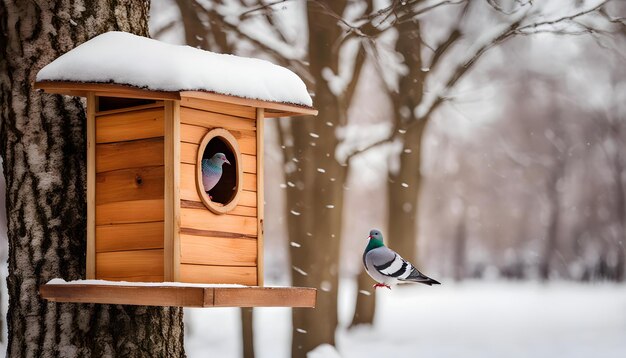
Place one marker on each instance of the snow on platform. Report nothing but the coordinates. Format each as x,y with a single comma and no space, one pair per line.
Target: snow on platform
127,59
60,281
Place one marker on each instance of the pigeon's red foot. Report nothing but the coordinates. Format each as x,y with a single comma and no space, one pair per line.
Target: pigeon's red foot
381,285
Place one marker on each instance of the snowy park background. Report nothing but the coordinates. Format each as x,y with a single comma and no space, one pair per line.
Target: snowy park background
522,208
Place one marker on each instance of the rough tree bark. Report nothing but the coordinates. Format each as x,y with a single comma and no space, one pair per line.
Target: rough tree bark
43,147
315,200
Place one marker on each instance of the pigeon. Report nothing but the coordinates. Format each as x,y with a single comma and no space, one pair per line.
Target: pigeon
212,170
388,268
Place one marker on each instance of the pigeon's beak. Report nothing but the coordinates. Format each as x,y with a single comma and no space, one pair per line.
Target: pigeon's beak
369,237
226,161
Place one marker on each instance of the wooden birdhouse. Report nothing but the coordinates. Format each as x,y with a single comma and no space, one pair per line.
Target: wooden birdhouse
155,112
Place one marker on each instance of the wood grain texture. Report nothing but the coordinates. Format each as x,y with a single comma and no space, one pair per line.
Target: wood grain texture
219,107
276,107
125,212
129,264
238,210
264,297
130,154
130,126
206,250
194,134
124,237
172,191
102,89
211,233
157,104
243,275
248,198
130,184
206,220
213,120
189,153
124,295
90,269
260,198
190,296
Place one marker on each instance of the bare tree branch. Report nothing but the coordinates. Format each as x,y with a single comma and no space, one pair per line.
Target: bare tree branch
516,28
297,65
260,7
563,19
495,4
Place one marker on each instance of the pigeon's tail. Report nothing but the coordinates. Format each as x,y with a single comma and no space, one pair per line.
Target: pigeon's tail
419,277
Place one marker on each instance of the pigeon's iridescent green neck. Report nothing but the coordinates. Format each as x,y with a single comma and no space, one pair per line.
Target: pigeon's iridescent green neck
374,243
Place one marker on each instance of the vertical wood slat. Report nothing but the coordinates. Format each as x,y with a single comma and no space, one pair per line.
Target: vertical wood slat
91,187
259,193
172,191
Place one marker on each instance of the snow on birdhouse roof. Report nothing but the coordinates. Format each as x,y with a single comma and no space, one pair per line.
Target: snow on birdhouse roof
127,59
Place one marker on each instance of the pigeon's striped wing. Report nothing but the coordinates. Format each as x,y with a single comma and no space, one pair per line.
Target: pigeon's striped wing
397,267
388,263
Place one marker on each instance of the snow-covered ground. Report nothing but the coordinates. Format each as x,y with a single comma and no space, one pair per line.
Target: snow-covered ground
471,319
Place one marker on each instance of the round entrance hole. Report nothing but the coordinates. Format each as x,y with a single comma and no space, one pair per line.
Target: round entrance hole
219,171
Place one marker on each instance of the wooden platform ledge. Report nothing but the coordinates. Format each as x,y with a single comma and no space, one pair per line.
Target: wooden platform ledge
180,295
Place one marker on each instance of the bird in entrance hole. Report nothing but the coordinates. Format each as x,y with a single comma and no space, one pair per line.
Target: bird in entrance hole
212,171
388,268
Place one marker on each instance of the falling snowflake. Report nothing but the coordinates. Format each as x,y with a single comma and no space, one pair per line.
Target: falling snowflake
295,213
300,271
321,170
295,244
314,135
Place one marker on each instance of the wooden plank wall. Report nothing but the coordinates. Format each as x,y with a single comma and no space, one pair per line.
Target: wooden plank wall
130,194
217,248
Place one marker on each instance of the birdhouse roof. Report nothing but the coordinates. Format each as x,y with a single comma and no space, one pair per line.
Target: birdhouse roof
123,62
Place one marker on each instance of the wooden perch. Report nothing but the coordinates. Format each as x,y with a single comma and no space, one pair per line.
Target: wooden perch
180,295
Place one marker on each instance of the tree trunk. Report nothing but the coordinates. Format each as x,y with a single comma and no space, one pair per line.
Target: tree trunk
43,147
403,193
365,308
247,333
403,182
620,211
554,203
460,247
403,185
315,198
